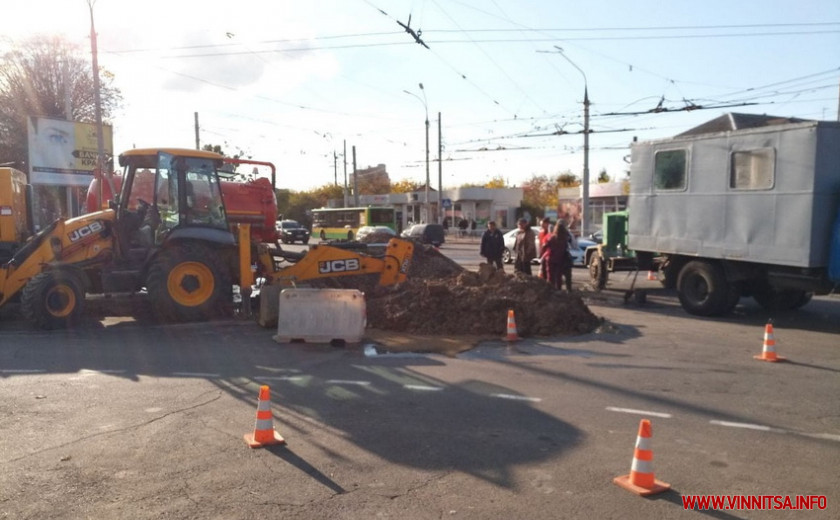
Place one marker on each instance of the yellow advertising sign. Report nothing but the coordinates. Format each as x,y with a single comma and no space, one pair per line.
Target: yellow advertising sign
62,152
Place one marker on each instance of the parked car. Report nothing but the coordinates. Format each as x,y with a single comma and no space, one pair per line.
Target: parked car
289,231
426,234
578,254
366,231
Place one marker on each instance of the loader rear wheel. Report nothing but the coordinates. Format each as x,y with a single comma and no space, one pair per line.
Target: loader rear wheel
189,282
54,299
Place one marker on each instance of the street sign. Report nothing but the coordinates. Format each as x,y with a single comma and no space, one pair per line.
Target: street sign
446,203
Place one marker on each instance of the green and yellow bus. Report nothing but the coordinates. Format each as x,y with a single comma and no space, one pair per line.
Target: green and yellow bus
344,223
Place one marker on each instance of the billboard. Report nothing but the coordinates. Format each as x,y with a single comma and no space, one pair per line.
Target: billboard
63,153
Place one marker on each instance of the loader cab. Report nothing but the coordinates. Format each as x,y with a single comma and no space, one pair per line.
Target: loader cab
168,194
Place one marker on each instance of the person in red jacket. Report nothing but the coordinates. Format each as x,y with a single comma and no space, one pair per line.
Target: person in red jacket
542,254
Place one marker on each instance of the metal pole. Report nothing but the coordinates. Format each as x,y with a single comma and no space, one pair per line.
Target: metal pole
100,137
426,109
584,218
344,158
355,180
197,141
585,214
440,173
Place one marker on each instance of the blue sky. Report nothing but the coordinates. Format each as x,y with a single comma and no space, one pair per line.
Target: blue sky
290,81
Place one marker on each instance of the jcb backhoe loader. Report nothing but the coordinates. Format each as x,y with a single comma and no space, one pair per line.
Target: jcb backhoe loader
179,246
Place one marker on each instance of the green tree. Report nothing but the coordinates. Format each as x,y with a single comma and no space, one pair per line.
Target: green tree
34,79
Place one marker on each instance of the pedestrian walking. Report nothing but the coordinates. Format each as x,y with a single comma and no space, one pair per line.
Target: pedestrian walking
493,245
524,247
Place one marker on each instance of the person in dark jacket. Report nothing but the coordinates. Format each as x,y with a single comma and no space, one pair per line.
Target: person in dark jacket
493,245
525,247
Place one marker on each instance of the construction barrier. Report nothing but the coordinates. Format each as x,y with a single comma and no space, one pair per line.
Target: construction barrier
264,433
321,315
641,479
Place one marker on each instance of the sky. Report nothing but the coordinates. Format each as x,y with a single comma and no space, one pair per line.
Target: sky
293,82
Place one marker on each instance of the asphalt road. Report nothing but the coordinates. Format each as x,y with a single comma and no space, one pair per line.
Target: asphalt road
138,420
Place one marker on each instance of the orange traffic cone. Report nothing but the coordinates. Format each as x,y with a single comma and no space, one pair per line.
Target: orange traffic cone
641,480
264,433
652,276
768,351
511,328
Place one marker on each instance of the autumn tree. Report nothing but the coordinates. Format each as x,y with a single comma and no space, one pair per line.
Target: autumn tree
603,176
35,77
405,186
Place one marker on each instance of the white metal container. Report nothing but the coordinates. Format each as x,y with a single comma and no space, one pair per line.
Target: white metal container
321,315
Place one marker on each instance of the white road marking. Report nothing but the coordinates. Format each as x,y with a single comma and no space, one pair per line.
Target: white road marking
423,388
194,374
747,426
23,371
517,397
278,378
639,412
346,382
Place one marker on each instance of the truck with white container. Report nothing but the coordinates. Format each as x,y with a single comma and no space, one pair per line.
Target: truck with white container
740,206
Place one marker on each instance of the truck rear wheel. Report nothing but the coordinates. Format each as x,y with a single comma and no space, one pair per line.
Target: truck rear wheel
781,300
189,282
703,289
54,299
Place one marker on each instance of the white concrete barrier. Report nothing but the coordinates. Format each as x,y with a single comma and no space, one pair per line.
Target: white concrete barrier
321,315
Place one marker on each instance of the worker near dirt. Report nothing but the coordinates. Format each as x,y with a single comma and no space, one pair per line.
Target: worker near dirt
542,254
493,245
524,247
558,257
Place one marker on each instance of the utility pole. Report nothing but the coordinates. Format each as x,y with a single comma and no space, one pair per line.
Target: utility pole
426,108
440,173
100,137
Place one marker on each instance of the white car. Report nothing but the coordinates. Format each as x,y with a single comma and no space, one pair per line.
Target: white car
578,254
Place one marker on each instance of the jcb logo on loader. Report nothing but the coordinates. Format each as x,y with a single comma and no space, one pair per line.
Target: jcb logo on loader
85,231
339,266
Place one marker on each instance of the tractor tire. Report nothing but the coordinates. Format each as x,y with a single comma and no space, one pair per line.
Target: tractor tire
598,272
190,282
54,299
703,289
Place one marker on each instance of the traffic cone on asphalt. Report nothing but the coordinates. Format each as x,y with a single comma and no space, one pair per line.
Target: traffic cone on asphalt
652,276
264,433
512,335
768,351
641,480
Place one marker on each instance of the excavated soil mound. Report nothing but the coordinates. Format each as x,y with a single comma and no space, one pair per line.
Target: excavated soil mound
441,297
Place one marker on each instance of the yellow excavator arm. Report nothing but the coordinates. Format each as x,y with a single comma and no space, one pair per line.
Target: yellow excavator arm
324,261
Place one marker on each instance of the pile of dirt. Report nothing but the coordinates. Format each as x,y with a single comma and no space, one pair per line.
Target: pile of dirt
441,297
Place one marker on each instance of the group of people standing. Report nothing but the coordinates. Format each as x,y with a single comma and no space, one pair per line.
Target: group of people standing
553,251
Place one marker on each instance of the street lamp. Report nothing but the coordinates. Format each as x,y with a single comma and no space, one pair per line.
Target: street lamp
426,108
584,219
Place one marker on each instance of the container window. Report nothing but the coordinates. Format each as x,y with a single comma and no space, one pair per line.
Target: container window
752,169
670,170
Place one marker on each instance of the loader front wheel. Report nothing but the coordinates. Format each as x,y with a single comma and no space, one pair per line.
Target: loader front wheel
53,299
189,282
